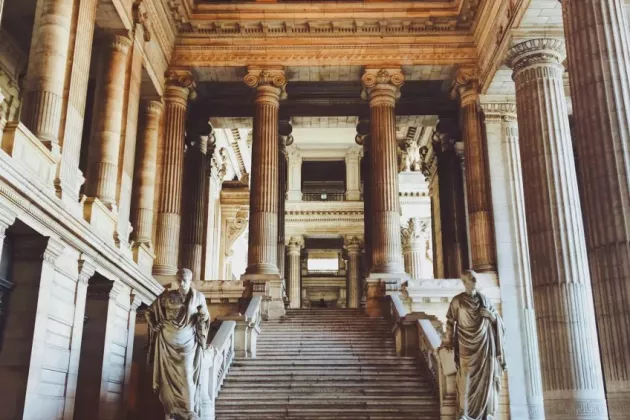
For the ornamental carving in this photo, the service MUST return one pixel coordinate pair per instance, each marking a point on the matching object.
(546, 52)
(414, 234)
(353, 243)
(257, 78)
(183, 79)
(295, 243)
(141, 18)
(409, 153)
(236, 227)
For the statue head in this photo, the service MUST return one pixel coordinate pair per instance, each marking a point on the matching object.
(184, 279)
(469, 278)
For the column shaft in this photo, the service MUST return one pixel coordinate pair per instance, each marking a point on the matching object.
(170, 200)
(45, 76)
(386, 248)
(367, 203)
(105, 144)
(414, 247)
(282, 190)
(294, 251)
(476, 175)
(127, 154)
(69, 177)
(196, 196)
(146, 172)
(513, 263)
(263, 208)
(353, 286)
(598, 46)
(567, 334)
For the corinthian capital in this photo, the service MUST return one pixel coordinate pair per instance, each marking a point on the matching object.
(497, 111)
(466, 84)
(539, 52)
(382, 86)
(267, 80)
(181, 84)
(352, 243)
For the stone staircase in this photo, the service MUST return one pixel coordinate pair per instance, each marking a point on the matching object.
(326, 364)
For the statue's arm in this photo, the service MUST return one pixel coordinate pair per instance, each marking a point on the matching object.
(450, 325)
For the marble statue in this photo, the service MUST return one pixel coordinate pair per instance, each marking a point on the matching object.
(178, 332)
(474, 330)
(410, 159)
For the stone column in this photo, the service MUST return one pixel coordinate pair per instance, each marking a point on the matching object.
(382, 88)
(567, 335)
(353, 245)
(294, 251)
(69, 178)
(262, 258)
(46, 72)
(214, 231)
(146, 172)
(134, 304)
(479, 201)
(102, 174)
(362, 138)
(414, 244)
(598, 47)
(263, 208)
(513, 265)
(294, 174)
(285, 139)
(178, 87)
(353, 173)
(196, 196)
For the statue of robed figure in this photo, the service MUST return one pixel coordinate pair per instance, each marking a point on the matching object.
(475, 331)
(178, 332)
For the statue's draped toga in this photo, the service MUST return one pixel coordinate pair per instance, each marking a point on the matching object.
(478, 344)
(178, 322)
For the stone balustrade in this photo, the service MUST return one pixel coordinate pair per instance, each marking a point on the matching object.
(420, 334)
(247, 328)
(216, 367)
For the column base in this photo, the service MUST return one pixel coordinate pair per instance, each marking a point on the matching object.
(377, 288)
(270, 287)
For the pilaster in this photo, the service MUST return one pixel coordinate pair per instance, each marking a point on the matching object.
(567, 335)
(294, 286)
(513, 264)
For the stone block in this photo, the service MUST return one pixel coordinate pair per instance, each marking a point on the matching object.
(102, 219)
(19, 143)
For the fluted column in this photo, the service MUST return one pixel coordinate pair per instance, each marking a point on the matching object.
(294, 251)
(353, 173)
(352, 246)
(46, 72)
(263, 208)
(362, 138)
(414, 244)
(69, 178)
(598, 46)
(285, 139)
(102, 174)
(146, 172)
(567, 335)
(513, 264)
(178, 87)
(479, 201)
(383, 88)
(196, 196)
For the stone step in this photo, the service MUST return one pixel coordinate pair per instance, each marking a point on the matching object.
(320, 363)
(314, 410)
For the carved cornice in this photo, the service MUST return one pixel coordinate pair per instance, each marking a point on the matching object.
(189, 53)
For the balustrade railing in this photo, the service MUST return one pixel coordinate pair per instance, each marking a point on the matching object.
(323, 196)
(419, 334)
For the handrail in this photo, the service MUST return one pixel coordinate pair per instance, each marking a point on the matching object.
(253, 309)
(416, 333)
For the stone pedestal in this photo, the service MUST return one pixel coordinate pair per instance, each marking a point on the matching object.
(479, 201)
(45, 76)
(598, 46)
(381, 87)
(262, 258)
(146, 172)
(102, 176)
(178, 87)
(353, 245)
(567, 334)
(196, 185)
(294, 251)
(513, 264)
